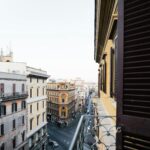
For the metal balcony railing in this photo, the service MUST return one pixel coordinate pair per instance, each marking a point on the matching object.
(95, 132)
(11, 96)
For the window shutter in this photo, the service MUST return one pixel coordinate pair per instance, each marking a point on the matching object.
(133, 75)
(22, 120)
(2, 129)
(15, 106)
(105, 72)
(111, 72)
(4, 109)
(2, 147)
(12, 107)
(24, 104)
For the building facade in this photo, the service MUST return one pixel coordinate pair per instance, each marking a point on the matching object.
(36, 109)
(61, 101)
(106, 14)
(13, 112)
(80, 93)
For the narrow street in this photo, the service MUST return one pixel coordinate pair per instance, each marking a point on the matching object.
(62, 135)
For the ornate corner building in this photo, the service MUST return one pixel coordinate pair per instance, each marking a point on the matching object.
(61, 101)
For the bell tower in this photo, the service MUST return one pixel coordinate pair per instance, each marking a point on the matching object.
(6, 58)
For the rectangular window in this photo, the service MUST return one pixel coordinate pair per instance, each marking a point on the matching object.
(30, 93)
(30, 79)
(43, 104)
(112, 73)
(14, 107)
(30, 108)
(43, 117)
(104, 76)
(37, 91)
(14, 125)
(2, 147)
(1, 129)
(22, 120)
(31, 124)
(36, 137)
(63, 114)
(14, 142)
(43, 91)
(37, 106)
(37, 80)
(23, 104)
(43, 80)
(30, 142)
(23, 136)
(14, 89)
(37, 120)
(23, 88)
(3, 110)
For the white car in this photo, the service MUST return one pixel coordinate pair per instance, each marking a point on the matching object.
(53, 143)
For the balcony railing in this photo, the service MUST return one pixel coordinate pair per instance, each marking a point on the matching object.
(13, 96)
(95, 132)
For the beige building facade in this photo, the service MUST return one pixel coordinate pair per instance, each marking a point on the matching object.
(105, 51)
(80, 93)
(61, 101)
(36, 108)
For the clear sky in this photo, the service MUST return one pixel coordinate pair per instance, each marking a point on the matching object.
(54, 35)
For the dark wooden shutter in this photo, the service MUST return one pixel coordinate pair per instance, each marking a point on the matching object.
(99, 82)
(2, 147)
(105, 72)
(24, 104)
(15, 106)
(111, 72)
(133, 75)
(12, 106)
(14, 89)
(2, 129)
(104, 76)
(3, 109)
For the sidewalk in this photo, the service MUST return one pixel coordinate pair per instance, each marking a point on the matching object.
(107, 129)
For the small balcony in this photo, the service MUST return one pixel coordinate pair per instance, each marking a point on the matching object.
(13, 96)
(95, 132)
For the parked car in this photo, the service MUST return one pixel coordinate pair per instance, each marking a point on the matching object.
(53, 143)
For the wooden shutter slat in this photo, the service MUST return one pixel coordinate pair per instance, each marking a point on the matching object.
(131, 3)
(132, 27)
